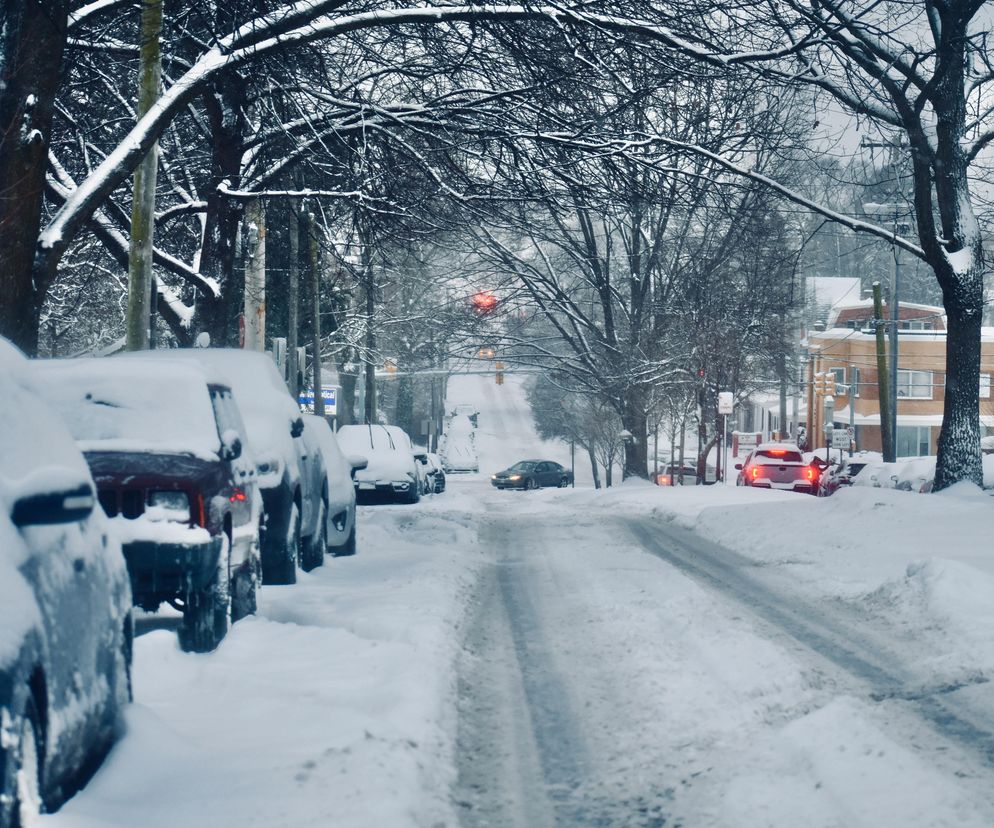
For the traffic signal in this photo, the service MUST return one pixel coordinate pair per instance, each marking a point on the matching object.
(484, 302)
(499, 375)
(829, 383)
(819, 384)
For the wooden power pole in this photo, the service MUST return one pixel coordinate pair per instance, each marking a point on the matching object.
(140, 279)
(293, 304)
(255, 276)
(313, 261)
(883, 386)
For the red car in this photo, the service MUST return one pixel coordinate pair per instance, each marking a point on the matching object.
(778, 466)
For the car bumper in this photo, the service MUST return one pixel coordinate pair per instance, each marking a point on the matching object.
(508, 484)
(160, 571)
(807, 488)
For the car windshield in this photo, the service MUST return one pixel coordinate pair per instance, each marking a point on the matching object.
(779, 456)
(121, 405)
(524, 465)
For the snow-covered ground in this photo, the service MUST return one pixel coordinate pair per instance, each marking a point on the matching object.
(572, 657)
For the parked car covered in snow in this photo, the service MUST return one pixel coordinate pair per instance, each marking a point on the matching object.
(777, 466)
(393, 463)
(436, 473)
(340, 497)
(841, 474)
(65, 608)
(167, 447)
(291, 504)
(458, 448)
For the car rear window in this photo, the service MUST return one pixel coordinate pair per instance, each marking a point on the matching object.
(780, 455)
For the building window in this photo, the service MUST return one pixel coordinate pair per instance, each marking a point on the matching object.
(913, 441)
(916, 385)
(985, 386)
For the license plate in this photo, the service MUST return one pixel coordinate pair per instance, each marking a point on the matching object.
(367, 486)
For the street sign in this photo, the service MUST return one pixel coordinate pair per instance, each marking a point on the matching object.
(329, 395)
(725, 402)
(851, 431)
(840, 438)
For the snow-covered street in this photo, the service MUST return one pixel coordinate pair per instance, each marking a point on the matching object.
(639, 656)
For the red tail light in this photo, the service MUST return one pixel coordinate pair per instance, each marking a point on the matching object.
(663, 480)
(777, 452)
(755, 472)
(238, 496)
(810, 473)
(199, 513)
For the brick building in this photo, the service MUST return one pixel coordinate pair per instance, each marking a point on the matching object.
(848, 349)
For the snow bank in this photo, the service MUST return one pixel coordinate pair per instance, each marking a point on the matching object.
(335, 706)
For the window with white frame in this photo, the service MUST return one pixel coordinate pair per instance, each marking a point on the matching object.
(985, 386)
(915, 385)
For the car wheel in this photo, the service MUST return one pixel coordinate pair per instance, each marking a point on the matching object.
(314, 547)
(22, 765)
(349, 547)
(205, 616)
(413, 496)
(531, 484)
(285, 571)
(245, 592)
(563, 483)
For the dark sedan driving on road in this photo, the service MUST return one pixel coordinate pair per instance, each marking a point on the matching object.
(532, 474)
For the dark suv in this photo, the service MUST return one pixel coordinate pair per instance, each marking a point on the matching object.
(167, 449)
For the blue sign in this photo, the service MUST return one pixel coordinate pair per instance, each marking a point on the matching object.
(329, 395)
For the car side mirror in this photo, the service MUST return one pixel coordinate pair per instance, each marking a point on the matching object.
(231, 445)
(421, 457)
(738, 466)
(357, 462)
(297, 427)
(66, 506)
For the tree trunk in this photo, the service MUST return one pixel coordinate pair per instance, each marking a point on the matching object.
(293, 303)
(346, 405)
(959, 456)
(635, 421)
(140, 280)
(405, 404)
(224, 105)
(593, 467)
(32, 40)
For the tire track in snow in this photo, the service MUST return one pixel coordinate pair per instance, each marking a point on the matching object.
(523, 758)
(831, 638)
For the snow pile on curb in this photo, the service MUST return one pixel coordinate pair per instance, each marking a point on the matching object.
(335, 706)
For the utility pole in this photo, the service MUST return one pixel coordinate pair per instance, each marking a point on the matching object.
(367, 267)
(894, 324)
(140, 278)
(255, 276)
(886, 435)
(293, 305)
(313, 261)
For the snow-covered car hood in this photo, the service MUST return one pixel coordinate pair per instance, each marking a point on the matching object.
(387, 464)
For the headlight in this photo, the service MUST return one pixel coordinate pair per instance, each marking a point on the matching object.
(514, 477)
(270, 471)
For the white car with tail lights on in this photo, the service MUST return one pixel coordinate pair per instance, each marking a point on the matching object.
(778, 466)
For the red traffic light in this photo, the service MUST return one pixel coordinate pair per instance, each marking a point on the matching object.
(484, 302)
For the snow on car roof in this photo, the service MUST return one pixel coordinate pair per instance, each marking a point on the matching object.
(258, 389)
(129, 405)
